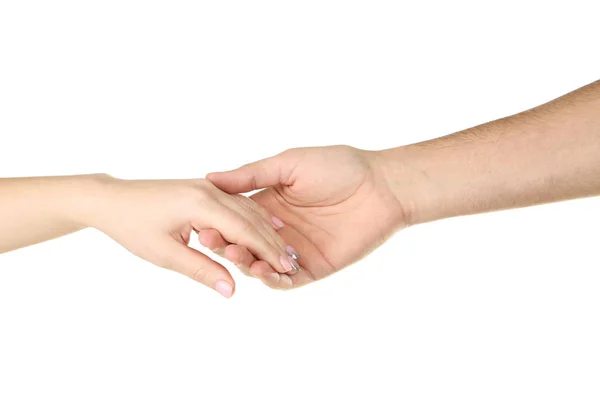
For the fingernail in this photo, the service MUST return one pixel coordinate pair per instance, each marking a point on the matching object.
(277, 222)
(285, 263)
(292, 252)
(295, 265)
(224, 288)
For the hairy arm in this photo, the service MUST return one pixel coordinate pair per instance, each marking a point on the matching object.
(339, 203)
(546, 154)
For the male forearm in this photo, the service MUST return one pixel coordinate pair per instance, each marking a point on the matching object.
(546, 154)
(34, 210)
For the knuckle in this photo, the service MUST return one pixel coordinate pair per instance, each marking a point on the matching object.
(244, 203)
(201, 275)
(191, 197)
(247, 227)
(237, 259)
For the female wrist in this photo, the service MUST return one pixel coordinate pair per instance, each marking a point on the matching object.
(91, 196)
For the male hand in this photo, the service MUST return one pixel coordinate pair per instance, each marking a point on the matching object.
(335, 202)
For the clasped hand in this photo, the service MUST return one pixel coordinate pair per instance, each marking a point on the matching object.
(322, 209)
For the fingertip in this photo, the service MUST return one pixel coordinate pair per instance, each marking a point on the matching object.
(224, 288)
(211, 175)
(197, 266)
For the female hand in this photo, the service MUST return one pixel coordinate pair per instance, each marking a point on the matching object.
(154, 220)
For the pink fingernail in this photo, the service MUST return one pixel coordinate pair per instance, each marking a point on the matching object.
(292, 252)
(285, 263)
(277, 222)
(224, 288)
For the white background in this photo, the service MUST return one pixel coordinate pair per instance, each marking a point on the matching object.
(495, 306)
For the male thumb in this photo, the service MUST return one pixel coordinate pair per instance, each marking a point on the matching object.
(257, 175)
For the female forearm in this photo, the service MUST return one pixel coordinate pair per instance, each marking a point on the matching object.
(34, 210)
(546, 154)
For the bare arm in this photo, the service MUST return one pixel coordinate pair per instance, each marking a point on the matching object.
(339, 203)
(33, 210)
(546, 154)
(152, 219)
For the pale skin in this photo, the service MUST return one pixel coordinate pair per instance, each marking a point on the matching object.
(152, 219)
(333, 205)
(339, 203)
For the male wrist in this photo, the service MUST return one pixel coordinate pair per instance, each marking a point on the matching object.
(402, 181)
(412, 172)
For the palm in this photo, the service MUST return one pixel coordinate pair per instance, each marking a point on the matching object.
(337, 209)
